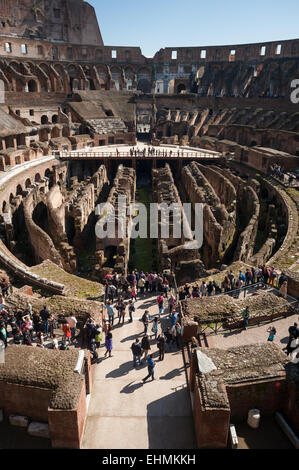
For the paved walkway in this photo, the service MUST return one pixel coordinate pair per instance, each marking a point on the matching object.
(124, 413)
(254, 335)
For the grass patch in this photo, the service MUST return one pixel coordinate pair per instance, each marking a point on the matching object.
(76, 286)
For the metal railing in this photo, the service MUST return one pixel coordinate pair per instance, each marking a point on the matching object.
(128, 155)
(214, 326)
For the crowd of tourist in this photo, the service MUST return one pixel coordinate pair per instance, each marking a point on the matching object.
(151, 151)
(284, 177)
(30, 327)
(234, 282)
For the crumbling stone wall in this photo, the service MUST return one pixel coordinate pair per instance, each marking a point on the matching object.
(218, 224)
(172, 250)
(124, 186)
(41, 242)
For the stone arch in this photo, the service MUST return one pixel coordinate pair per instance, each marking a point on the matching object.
(144, 79)
(55, 118)
(116, 73)
(32, 86)
(37, 177)
(55, 132)
(44, 119)
(19, 190)
(181, 88)
(73, 73)
(27, 183)
(43, 135)
(65, 131)
(144, 85)
(11, 198)
(4, 207)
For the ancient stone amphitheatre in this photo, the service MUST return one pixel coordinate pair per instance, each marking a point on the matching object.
(83, 123)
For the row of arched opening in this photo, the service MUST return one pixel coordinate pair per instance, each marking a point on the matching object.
(21, 188)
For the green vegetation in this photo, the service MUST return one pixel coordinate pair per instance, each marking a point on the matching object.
(142, 257)
(76, 286)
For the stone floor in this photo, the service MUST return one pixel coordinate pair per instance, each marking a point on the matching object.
(124, 413)
(253, 335)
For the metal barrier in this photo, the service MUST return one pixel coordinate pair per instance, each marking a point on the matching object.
(128, 155)
(214, 326)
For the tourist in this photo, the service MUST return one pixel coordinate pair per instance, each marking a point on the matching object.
(231, 278)
(141, 285)
(145, 345)
(171, 303)
(27, 337)
(45, 315)
(165, 287)
(3, 334)
(63, 346)
(111, 292)
(72, 321)
(155, 327)
(210, 289)
(145, 321)
(137, 352)
(55, 344)
(248, 277)
(131, 310)
(66, 331)
(110, 312)
(226, 285)
(17, 334)
(160, 301)
(4, 284)
(294, 331)
(90, 331)
(36, 323)
(98, 335)
(169, 338)
(272, 333)
(173, 318)
(195, 291)
(203, 289)
(245, 314)
(284, 290)
(52, 326)
(40, 343)
(272, 277)
(122, 315)
(93, 350)
(120, 305)
(217, 288)
(108, 344)
(161, 346)
(178, 332)
(293, 344)
(151, 367)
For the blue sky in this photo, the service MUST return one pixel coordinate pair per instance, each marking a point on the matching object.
(173, 23)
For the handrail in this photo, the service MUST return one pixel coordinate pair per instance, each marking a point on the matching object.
(216, 325)
(175, 155)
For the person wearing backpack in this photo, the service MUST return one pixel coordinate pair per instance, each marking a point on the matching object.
(137, 352)
(98, 336)
(161, 346)
(151, 367)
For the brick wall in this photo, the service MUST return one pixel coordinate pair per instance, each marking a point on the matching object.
(268, 397)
